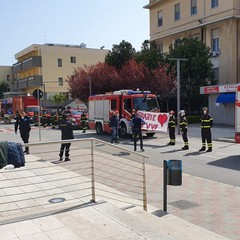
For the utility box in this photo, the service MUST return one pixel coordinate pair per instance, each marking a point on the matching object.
(174, 172)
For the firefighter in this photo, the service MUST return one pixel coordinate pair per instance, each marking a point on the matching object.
(66, 128)
(171, 128)
(44, 119)
(53, 119)
(183, 128)
(206, 125)
(35, 118)
(132, 116)
(83, 121)
(23, 123)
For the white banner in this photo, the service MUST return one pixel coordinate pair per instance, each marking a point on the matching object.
(155, 121)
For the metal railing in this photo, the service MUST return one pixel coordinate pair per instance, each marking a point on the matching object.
(97, 169)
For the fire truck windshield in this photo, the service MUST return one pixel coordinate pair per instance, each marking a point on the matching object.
(145, 104)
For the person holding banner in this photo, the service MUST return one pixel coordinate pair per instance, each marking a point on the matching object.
(171, 128)
(137, 123)
(183, 128)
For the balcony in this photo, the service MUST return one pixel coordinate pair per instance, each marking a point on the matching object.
(27, 64)
(31, 81)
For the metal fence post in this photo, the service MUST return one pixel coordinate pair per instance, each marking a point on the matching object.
(144, 187)
(92, 174)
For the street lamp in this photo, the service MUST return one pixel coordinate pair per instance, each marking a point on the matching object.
(178, 86)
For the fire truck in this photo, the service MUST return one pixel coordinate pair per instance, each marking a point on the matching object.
(102, 106)
(16, 103)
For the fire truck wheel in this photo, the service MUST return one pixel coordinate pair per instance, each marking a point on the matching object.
(123, 130)
(99, 129)
(150, 134)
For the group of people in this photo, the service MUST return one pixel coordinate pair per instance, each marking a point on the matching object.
(65, 125)
(136, 123)
(206, 125)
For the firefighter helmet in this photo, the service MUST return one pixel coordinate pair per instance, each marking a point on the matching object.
(171, 112)
(181, 112)
(205, 109)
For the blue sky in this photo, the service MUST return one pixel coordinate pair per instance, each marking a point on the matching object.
(93, 22)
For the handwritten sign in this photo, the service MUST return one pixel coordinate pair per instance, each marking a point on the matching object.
(155, 121)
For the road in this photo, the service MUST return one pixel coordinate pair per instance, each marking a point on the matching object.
(221, 165)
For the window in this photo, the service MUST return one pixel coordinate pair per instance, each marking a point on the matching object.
(60, 81)
(214, 3)
(193, 7)
(215, 41)
(177, 11)
(73, 59)
(59, 62)
(128, 104)
(113, 104)
(160, 19)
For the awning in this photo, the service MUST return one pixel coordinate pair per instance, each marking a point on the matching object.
(226, 98)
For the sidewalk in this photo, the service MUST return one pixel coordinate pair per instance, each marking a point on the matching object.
(27, 214)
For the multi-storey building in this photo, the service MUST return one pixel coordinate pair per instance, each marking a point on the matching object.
(216, 23)
(6, 75)
(47, 66)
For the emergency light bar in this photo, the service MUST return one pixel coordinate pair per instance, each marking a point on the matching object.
(130, 92)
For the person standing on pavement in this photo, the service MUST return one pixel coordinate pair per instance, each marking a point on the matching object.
(66, 128)
(137, 122)
(23, 124)
(206, 125)
(183, 128)
(83, 121)
(171, 128)
(114, 124)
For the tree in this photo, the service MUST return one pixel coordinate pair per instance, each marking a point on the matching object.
(57, 98)
(102, 78)
(3, 88)
(164, 83)
(120, 54)
(196, 72)
(149, 55)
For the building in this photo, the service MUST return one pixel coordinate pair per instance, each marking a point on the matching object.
(6, 75)
(47, 66)
(216, 23)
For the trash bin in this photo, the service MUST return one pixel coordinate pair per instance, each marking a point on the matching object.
(174, 172)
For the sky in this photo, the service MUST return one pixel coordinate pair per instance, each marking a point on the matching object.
(93, 22)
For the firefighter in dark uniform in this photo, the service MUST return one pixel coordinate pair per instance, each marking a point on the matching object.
(23, 123)
(83, 121)
(35, 118)
(53, 119)
(206, 125)
(171, 128)
(66, 128)
(183, 128)
(44, 119)
(132, 116)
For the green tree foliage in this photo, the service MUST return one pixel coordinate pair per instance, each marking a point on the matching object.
(149, 55)
(120, 54)
(196, 72)
(57, 98)
(3, 88)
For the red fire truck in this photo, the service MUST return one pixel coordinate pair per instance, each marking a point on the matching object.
(124, 101)
(27, 103)
(237, 115)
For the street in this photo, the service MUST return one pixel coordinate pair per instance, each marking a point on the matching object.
(222, 165)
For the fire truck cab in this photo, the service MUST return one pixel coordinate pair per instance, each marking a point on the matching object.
(102, 106)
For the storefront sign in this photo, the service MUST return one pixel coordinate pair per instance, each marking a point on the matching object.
(218, 89)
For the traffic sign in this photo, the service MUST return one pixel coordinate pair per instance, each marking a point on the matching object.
(37, 94)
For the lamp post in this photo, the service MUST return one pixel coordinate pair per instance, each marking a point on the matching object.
(178, 86)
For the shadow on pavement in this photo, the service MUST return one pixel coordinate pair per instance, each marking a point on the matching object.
(231, 162)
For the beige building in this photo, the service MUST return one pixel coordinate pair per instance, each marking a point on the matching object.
(47, 66)
(216, 23)
(6, 75)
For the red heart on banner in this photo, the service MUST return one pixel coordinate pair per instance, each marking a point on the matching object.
(162, 118)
